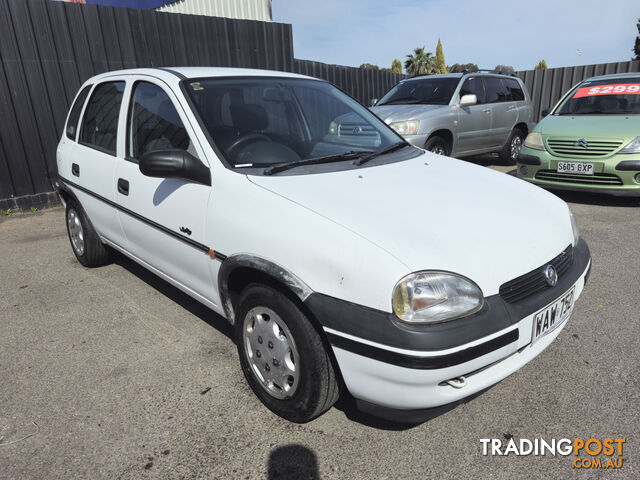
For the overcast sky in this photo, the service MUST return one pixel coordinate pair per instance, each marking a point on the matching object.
(491, 32)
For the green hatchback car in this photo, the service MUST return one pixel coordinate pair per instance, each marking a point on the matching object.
(590, 141)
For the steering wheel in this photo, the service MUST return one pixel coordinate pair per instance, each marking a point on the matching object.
(254, 137)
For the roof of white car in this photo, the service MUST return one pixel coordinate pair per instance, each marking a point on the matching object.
(181, 73)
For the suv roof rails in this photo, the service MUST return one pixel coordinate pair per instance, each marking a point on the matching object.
(421, 75)
(486, 70)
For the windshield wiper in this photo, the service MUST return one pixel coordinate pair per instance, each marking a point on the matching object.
(371, 156)
(280, 167)
(407, 100)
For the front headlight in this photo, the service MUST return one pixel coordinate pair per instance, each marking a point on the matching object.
(534, 140)
(633, 147)
(574, 227)
(433, 296)
(407, 127)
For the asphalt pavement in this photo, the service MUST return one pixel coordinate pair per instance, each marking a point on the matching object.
(111, 373)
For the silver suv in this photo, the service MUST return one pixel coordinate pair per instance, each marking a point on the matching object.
(460, 114)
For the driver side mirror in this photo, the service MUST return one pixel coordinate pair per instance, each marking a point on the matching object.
(174, 164)
(372, 102)
(469, 99)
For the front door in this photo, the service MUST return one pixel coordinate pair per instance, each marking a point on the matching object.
(163, 218)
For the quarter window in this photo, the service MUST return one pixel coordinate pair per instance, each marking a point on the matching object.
(154, 123)
(76, 110)
(517, 95)
(100, 122)
(474, 86)
(496, 91)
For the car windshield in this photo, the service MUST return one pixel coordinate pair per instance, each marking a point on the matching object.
(262, 121)
(616, 96)
(432, 91)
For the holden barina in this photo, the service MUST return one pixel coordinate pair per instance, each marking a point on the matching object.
(349, 261)
(590, 141)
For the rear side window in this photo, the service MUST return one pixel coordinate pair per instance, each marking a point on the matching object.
(100, 122)
(496, 90)
(74, 116)
(474, 86)
(154, 123)
(517, 95)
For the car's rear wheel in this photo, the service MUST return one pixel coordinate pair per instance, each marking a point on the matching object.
(511, 149)
(85, 242)
(282, 355)
(437, 145)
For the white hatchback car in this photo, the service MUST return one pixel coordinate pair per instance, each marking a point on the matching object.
(345, 257)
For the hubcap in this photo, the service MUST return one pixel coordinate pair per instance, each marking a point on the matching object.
(271, 352)
(438, 150)
(516, 145)
(76, 234)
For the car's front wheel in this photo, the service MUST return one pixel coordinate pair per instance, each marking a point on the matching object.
(437, 145)
(85, 242)
(282, 355)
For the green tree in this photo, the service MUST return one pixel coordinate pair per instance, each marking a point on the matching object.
(636, 47)
(396, 66)
(505, 68)
(419, 62)
(542, 65)
(369, 66)
(461, 67)
(440, 65)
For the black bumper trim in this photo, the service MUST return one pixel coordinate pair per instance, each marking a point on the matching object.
(423, 363)
(528, 159)
(628, 166)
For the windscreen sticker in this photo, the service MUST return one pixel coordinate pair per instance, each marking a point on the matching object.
(196, 86)
(615, 89)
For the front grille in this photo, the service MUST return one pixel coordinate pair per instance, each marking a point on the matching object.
(356, 130)
(526, 285)
(570, 148)
(595, 179)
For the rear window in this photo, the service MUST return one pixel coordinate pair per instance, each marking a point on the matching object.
(617, 96)
(72, 124)
(100, 122)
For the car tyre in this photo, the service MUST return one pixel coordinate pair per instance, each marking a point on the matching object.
(85, 242)
(283, 356)
(510, 151)
(437, 145)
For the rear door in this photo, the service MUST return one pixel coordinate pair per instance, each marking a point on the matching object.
(474, 121)
(91, 162)
(163, 218)
(504, 113)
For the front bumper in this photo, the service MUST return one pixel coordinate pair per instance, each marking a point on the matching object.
(404, 368)
(609, 176)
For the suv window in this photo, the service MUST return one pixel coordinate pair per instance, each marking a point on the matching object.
(474, 86)
(76, 110)
(100, 122)
(496, 90)
(517, 95)
(154, 122)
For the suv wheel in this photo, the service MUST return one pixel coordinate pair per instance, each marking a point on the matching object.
(282, 356)
(511, 149)
(437, 145)
(85, 242)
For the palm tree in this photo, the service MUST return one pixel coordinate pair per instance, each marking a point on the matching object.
(419, 62)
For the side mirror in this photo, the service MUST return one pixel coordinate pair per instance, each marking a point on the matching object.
(469, 99)
(372, 102)
(174, 164)
(545, 112)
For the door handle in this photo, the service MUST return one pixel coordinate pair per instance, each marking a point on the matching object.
(75, 169)
(123, 186)
(487, 110)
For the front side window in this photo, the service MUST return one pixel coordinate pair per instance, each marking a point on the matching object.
(258, 121)
(496, 90)
(154, 123)
(428, 91)
(100, 122)
(474, 86)
(74, 117)
(619, 96)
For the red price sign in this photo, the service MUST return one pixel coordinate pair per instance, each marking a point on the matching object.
(617, 89)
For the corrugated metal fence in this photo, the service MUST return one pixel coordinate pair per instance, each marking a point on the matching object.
(547, 86)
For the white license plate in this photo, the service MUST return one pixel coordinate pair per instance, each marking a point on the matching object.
(580, 168)
(552, 316)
